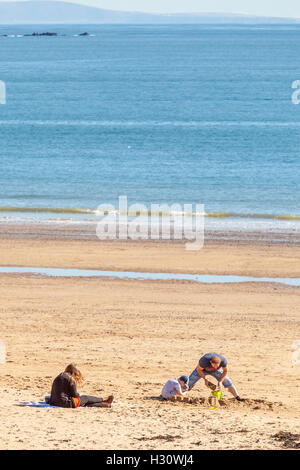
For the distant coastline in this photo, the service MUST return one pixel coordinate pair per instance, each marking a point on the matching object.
(55, 12)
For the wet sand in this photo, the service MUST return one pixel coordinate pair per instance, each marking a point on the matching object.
(61, 247)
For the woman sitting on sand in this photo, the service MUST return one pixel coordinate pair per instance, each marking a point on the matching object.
(64, 391)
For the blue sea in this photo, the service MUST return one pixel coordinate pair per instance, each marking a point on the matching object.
(162, 114)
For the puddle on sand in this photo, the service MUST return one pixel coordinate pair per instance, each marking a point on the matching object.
(201, 278)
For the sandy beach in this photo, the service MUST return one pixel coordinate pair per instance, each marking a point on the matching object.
(154, 127)
(129, 337)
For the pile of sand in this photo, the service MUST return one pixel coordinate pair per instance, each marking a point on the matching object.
(288, 439)
(229, 404)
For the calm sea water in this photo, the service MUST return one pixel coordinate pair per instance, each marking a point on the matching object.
(167, 114)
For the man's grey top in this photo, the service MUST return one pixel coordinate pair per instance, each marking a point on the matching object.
(205, 360)
(170, 388)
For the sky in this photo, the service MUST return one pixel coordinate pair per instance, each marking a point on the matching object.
(284, 8)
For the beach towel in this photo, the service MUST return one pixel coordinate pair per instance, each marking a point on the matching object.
(37, 404)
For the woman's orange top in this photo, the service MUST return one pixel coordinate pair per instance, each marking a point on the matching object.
(76, 402)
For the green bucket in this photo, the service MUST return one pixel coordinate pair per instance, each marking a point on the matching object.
(217, 393)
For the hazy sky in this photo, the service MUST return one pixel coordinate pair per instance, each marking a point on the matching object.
(289, 8)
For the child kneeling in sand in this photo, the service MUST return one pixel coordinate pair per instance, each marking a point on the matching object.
(175, 387)
(64, 391)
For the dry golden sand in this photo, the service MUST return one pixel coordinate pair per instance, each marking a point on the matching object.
(129, 337)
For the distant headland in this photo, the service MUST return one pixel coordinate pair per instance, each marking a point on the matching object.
(56, 12)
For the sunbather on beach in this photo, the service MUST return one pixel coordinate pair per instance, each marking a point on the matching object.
(215, 365)
(64, 391)
(175, 387)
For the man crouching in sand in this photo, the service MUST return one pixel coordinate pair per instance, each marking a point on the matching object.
(175, 387)
(215, 365)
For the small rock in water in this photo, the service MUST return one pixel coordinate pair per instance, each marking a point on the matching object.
(41, 34)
